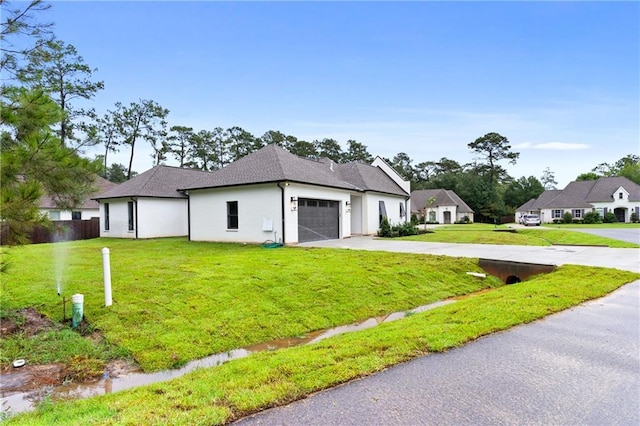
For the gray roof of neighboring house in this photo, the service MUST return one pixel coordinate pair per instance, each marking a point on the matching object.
(527, 206)
(275, 164)
(604, 189)
(160, 182)
(101, 184)
(581, 194)
(442, 197)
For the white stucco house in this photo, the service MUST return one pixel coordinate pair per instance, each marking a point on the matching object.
(439, 205)
(87, 210)
(618, 195)
(148, 205)
(272, 194)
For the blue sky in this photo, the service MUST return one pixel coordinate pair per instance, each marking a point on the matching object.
(559, 79)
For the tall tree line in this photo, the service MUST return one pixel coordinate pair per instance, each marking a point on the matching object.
(44, 133)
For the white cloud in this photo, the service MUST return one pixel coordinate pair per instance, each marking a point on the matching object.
(552, 146)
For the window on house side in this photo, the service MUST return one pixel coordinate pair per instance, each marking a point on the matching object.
(382, 212)
(556, 214)
(577, 213)
(620, 196)
(106, 216)
(54, 215)
(232, 215)
(76, 215)
(130, 214)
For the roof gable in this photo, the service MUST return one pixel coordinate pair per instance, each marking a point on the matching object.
(605, 188)
(160, 181)
(275, 164)
(441, 197)
(101, 184)
(581, 194)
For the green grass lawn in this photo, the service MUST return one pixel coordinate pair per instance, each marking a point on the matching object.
(238, 388)
(175, 301)
(489, 234)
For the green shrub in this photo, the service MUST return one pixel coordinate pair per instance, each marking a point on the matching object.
(465, 219)
(385, 228)
(414, 218)
(609, 217)
(592, 217)
(634, 218)
(404, 229)
(567, 217)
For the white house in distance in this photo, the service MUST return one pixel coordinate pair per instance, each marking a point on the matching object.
(439, 205)
(87, 210)
(148, 205)
(272, 194)
(618, 195)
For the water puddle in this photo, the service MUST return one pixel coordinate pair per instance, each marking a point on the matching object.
(14, 401)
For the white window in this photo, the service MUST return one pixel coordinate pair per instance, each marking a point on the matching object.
(54, 215)
(577, 213)
(556, 214)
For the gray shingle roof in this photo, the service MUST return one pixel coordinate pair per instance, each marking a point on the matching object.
(580, 194)
(442, 197)
(101, 184)
(604, 189)
(275, 164)
(160, 181)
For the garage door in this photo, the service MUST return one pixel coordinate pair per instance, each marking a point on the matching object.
(317, 220)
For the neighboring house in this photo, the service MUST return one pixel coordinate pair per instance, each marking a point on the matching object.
(148, 205)
(272, 194)
(618, 195)
(439, 205)
(87, 210)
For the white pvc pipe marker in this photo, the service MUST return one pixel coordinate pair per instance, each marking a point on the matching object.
(106, 266)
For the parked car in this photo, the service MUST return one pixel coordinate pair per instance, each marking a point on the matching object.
(530, 219)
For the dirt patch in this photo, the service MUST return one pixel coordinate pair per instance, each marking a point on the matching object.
(27, 321)
(30, 322)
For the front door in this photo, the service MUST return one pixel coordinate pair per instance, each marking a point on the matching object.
(447, 217)
(620, 214)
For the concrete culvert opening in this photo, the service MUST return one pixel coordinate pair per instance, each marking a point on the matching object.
(513, 272)
(512, 279)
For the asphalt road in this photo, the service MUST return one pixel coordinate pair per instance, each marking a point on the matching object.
(577, 367)
(630, 235)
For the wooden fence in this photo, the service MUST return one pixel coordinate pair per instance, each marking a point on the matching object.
(62, 230)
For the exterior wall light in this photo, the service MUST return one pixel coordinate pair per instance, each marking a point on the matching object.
(348, 205)
(294, 204)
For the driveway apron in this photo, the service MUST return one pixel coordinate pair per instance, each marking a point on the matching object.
(580, 366)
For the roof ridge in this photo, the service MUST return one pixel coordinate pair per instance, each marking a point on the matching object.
(154, 171)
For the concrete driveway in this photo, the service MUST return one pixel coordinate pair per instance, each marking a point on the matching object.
(577, 367)
(625, 259)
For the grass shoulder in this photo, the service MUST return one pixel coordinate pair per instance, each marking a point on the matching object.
(222, 394)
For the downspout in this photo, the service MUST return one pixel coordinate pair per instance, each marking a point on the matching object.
(407, 213)
(282, 198)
